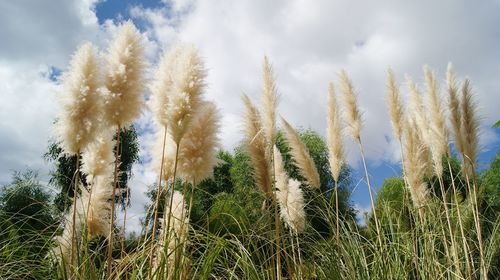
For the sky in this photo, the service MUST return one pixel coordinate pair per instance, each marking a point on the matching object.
(307, 42)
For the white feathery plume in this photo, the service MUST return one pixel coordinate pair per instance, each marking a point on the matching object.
(98, 162)
(167, 150)
(292, 212)
(395, 104)
(414, 164)
(438, 133)
(62, 251)
(269, 102)
(198, 149)
(123, 92)
(470, 130)
(454, 108)
(256, 145)
(161, 87)
(352, 115)
(98, 157)
(172, 238)
(79, 118)
(301, 156)
(289, 196)
(421, 123)
(188, 82)
(334, 135)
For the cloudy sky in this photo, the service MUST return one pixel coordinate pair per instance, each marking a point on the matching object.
(308, 42)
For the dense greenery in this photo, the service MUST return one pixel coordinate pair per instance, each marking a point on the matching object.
(233, 235)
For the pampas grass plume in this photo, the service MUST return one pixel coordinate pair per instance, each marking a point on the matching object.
(470, 130)
(301, 155)
(198, 149)
(188, 81)
(289, 196)
(394, 103)
(334, 135)
(161, 88)
(454, 108)
(269, 102)
(351, 113)
(414, 164)
(438, 132)
(256, 145)
(79, 118)
(123, 93)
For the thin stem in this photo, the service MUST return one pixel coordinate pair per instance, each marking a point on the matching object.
(484, 273)
(76, 180)
(169, 215)
(462, 233)
(337, 220)
(113, 198)
(157, 200)
(448, 221)
(370, 192)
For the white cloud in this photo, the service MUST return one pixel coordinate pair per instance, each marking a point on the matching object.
(307, 42)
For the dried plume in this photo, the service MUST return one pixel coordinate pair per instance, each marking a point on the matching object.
(352, 115)
(98, 162)
(420, 121)
(256, 145)
(289, 196)
(454, 108)
(171, 239)
(123, 92)
(167, 152)
(98, 157)
(470, 130)
(438, 132)
(334, 135)
(414, 164)
(188, 82)
(198, 149)
(79, 117)
(269, 102)
(161, 88)
(395, 104)
(301, 156)
(62, 251)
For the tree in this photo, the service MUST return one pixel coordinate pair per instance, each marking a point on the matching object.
(26, 224)
(65, 168)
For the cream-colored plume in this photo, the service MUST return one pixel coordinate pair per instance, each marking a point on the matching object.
(293, 212)
(161, 88)
(470, 130)
(79, 118)
(289, 196)
(414, 164)
(454, 108)
(164, 146)
(395, 104)
(352, 115)
(98, 162)
(172, 238)
(421, 123)
(269, 102)
(124, 80)
(334, 135)
(198, 148)
(98, 157)
(301, 156)
(256, 145)
(438, 132)
(188, 81)
(62, 251)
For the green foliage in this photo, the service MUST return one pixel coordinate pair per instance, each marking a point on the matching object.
(26, 226)
(65, 168)
(227, 215)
